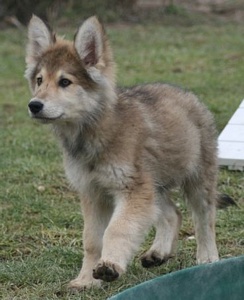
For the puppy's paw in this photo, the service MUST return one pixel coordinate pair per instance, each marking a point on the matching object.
(153, 259)
(107, 271)
(79, 284)
(207, 259)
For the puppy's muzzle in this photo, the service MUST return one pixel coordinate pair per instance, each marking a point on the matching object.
(35, 107)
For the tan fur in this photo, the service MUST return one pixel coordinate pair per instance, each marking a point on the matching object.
(124, 149)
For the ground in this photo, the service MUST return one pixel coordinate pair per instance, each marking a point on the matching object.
(41, 245)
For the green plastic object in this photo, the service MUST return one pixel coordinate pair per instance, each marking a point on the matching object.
(223, 280)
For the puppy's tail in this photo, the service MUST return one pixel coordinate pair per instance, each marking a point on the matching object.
(224, 201)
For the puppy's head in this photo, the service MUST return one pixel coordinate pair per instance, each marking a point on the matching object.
(69, 80)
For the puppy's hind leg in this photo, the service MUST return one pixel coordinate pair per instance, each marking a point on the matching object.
(167, 230)
(201, 198)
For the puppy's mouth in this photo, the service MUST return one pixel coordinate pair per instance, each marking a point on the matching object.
(43, 119)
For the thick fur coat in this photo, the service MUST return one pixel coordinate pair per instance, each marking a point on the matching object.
(123, 149)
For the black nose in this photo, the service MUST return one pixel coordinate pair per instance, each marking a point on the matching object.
(35, 106)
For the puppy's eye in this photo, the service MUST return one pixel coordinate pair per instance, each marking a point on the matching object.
(39, 81)
(64, 82)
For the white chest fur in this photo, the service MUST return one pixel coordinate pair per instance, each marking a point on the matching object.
(108, 176)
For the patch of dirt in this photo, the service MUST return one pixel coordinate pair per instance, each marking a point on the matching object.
(168, 12)
(224, 10)
(9, 108)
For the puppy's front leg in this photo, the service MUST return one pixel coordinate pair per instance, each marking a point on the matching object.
(96, 217)
(135, 211)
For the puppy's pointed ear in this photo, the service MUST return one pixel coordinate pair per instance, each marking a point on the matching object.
(89, 42)
(92, 45)
(40, 38)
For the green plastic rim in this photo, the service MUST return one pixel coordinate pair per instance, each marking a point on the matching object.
(223, 280)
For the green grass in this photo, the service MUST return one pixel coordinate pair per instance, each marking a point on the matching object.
(40, 244)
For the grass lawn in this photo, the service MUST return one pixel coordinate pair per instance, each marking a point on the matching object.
(40, 222)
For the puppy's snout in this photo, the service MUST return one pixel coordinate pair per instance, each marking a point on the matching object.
(35, 106)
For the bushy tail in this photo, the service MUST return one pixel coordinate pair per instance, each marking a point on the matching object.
(224, 201)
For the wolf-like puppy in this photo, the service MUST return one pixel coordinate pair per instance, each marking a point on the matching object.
(123, 149)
